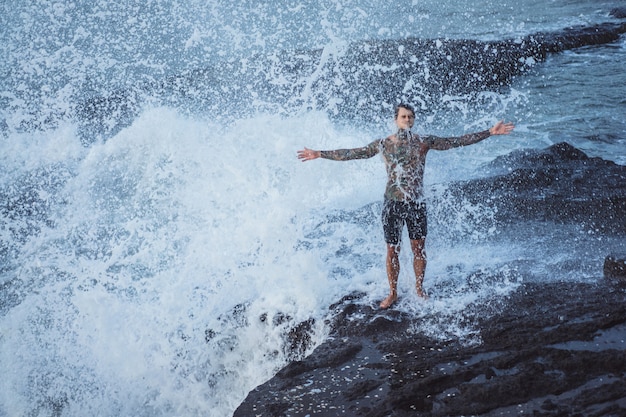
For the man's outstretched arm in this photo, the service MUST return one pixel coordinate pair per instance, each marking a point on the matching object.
(499, 128)
(502, 128)
(341, 154)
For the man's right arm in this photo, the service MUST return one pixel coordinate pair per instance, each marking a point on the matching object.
(355, 153)
(342, 154)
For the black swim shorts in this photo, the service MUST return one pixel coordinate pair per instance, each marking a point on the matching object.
(397, 213)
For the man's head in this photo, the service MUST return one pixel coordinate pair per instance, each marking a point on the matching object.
(404, 116)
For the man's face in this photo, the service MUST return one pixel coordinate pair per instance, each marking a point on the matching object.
(405, 119)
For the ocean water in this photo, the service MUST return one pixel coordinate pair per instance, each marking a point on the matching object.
(156, 262)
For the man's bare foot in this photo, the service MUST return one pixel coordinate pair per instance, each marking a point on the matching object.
(388, 302)
(422, 294)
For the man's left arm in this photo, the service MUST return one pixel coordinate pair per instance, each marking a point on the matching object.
(443, 144)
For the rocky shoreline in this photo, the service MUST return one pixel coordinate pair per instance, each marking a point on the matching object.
(554, 349)
(547, 349)
(387, 66)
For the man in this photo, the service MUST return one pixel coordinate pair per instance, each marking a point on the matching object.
(404, 154)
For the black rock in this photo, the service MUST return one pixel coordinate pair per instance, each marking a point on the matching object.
(619, 12)
(550, 350)
(615, 267)
(558, 184)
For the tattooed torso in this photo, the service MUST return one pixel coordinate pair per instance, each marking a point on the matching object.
(405, 158)
(404, 155)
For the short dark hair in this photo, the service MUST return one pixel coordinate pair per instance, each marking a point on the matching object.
(403, 106)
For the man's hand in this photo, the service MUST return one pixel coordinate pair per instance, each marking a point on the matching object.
(308, 154)
(502, 128)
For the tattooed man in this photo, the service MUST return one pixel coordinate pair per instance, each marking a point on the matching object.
(404, 154)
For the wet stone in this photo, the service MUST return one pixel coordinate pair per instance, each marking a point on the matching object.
(541, 355)
(615, 267)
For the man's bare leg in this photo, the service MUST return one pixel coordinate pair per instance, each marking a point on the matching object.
(419, 265)
(393, 271)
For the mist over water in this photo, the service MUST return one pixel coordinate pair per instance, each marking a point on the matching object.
(158, 265)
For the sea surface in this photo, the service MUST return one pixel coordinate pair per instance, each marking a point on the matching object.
(154, 263)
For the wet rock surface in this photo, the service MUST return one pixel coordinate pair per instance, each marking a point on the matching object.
(553, 349)
(615, 267)
(558, 184)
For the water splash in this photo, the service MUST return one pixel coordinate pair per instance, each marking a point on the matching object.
(164, 265)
